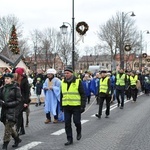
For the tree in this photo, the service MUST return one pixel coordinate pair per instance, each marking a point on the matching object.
(6, 23)
(110, 35)
(13, 42)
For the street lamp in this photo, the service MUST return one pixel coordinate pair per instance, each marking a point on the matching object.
(141, 56)
(64, 31)
(122, 37)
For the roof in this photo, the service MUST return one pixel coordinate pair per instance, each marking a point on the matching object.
(9, 57)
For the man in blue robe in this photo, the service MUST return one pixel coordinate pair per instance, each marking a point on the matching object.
(51, 88)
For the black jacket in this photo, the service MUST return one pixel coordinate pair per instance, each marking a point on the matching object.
(11, 108)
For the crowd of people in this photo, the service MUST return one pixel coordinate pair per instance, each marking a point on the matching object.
(66, 96)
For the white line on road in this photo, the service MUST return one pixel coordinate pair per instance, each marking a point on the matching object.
(112, 107)
(29, 146)
(61, 131)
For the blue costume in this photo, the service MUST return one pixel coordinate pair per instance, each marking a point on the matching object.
(52, 97)
(87, 89)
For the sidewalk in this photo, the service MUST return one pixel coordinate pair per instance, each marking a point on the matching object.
(34, 97)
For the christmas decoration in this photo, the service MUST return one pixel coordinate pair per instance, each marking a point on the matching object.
(148, 60)
(82, 28)
(127, 47)
(13, 41)
(144, 55)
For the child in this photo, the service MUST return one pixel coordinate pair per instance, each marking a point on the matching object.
(39, 87)
(10, 98)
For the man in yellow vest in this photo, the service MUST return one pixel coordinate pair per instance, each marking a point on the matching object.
(121, 81)
(104, 94)
(133, 81)
(72, 101)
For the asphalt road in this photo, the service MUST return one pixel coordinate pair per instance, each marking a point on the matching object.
(127, 129)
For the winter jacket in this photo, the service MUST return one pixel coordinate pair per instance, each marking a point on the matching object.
(10, 110)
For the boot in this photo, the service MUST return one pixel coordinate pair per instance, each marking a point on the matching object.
(5, 144)
(17, 141)
(47, 121)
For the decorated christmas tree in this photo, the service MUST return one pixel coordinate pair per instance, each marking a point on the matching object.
(13, 41)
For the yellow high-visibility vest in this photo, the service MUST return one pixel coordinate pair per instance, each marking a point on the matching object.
(103, 85)
(71, 97)
(133, 80)
(120, 80)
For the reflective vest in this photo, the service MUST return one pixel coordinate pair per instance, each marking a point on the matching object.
(133, 80)
(120, 80)
(71, 97)
(103, 85)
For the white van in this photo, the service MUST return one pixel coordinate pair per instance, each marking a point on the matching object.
(95, 68)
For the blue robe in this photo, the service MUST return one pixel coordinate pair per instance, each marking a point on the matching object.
(52, 96)
(95, 83)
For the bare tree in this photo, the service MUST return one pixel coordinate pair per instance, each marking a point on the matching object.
(65, 50)
(110, 34)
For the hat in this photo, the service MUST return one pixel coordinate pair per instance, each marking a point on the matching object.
(10, 75)
(20, 71)
(103, 71)
(38, 79)
(69, 68)
(51, 71)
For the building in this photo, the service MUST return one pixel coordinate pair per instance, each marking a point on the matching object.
(131, 62)
(42, 61)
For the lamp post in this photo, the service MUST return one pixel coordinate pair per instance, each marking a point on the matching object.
(122, 37)
(140, 57)
(64, 30)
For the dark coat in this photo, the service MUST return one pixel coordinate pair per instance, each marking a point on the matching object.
(10, 110)
(39, 87)
(25, 92)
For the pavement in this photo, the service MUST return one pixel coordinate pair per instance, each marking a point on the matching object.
(33, 97)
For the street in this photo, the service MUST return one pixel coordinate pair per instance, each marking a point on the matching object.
(127, 129)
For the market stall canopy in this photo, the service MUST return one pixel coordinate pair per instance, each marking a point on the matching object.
(9, 57)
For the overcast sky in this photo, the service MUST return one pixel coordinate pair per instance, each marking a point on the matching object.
(41, 14)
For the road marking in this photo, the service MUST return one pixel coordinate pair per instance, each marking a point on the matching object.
(61, 131)
(29, 146)
(112, 107)
(115, 105)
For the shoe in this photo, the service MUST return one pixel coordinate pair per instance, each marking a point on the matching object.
(79, 136)
(55, 121)
(36, 104)
(121, 107)
(98, 116)
(118, 105)
(40, 103)
(106, 116)
(17, 141)
(47, 121)
(68, 143)
(5, 145)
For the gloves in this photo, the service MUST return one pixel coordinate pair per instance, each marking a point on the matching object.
(82, 110)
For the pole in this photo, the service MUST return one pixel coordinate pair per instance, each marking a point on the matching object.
(122, 43)
(140, 63)
(73, 46)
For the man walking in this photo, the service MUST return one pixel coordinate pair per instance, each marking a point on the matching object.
(121, 81)
(72, 103)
